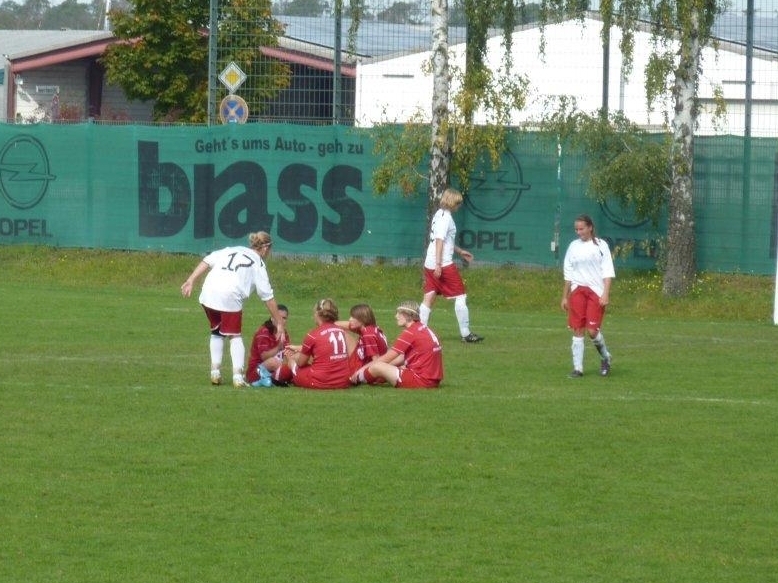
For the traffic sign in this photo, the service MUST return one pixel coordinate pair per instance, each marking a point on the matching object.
(233, 109)
(232, 77)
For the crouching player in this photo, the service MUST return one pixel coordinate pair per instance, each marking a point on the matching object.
(267, 351)
(415, 360)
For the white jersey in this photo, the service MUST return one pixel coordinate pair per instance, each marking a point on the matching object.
(442, 227)
(588, 263)
(235, 273)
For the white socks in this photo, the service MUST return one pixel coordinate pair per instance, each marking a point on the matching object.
(460, 309)
(424, 314)
(599, 343)
(578, 353)
(217, 351)
(463, 315)
(238, 354)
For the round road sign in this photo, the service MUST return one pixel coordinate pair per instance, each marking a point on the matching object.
(233, 109)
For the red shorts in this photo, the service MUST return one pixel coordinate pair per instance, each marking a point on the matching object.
(224, 323)
(584, 309)
(283, 374)
(410, 380)
(449, 284)
(306, 378)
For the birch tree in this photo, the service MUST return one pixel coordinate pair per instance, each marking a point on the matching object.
(447, 139)
(682, 29)
(439, 150)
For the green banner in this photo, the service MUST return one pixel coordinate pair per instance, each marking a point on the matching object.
(193, 189)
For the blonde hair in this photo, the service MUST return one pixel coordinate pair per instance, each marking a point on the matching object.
(326, 310)
(451, 198)
(260, 239)
(410, 308)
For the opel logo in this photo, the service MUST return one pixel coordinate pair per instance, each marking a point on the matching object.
(24, 172)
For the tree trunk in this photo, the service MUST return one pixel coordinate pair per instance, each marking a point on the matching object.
(681, 265)
(439, 150)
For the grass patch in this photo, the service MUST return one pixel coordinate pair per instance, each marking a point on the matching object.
(121, 463)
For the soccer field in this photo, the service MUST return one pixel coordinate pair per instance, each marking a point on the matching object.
(121, 463)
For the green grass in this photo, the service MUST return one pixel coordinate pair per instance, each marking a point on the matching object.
(119, 462)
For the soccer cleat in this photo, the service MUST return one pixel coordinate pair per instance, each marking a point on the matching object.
(472, 338)
(263, 382)
(605, 367)
(239, 382)
(216, 378)
(576, 374)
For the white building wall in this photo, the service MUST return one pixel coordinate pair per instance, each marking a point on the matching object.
(393, 90)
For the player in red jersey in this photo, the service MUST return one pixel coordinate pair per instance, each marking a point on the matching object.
(267, 351)
(322, 360)
(415, 360)
(369, 342)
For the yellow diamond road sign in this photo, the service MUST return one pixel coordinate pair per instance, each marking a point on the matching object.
(232, 77)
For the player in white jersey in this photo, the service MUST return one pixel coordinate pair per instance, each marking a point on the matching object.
(588, 272)
(441, 276)
(234, 273)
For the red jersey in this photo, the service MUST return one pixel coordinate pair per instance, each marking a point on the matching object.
(422, 351)
(372, 342)
(329, 369)
(263, 340)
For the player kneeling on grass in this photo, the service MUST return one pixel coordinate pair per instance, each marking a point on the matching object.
(415, 360)
(267, 351)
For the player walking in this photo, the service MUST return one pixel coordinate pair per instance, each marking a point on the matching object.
(441, 275)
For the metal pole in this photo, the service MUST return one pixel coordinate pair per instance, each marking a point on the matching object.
(746, 201)
(107, 19)
(336, 80)
(749, 65)
(213, 25)
(606, 57)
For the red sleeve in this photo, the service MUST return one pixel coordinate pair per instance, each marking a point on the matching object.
(309, 343)
(403, 342)
(374, 342)
(262, 341)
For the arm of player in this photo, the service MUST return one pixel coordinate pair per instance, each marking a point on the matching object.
(186, 287)
(272, 307)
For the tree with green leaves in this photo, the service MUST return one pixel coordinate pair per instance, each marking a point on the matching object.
(680, 30)
(164, 54)
(399, 13)
(29, 15)
(303, 8)
(448, 138)
(73, 14)
(691, 21)
(625, 164)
